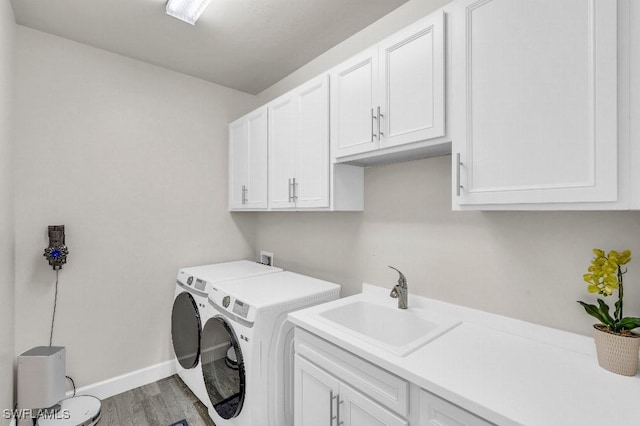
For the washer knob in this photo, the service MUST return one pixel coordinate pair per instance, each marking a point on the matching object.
(225, 301)
(190, 280)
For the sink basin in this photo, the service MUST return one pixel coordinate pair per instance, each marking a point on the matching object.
(396, 330)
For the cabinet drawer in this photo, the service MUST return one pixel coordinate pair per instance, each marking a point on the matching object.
(435, 411)
(378, 384)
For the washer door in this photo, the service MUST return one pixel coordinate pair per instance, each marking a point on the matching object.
(224, 376)
(186, 330)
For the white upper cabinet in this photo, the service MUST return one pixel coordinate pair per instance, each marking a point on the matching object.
(411, 96)
(248, 162)
(535, 102)
(299, 154)
(353, 104)
(634, 94)
(391, 94)
(283, 137)
(312, 174)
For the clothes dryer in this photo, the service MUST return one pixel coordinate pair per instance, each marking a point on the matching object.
(248, 317)
(192, 289)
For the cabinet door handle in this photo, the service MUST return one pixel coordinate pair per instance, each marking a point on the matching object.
(290, 196)
(458, 165)
(295, 190)
(373, 117)
(331, 416)
(244, 194)
(340, 422)
(379, 117)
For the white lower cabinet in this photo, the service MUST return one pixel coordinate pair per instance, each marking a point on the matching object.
(356, 409)
(323, 400)
(315, 393)
(334, 387)
(435, 411)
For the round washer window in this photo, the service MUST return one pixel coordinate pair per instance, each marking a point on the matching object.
(223, 368)
(186, 330)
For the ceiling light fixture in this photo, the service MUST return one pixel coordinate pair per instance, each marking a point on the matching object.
(187, 10)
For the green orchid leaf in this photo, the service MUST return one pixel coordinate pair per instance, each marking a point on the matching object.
(629, 323)
(618, 312)
(593, 311)
(603, 309)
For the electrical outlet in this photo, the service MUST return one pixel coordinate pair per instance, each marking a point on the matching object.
(266, 258)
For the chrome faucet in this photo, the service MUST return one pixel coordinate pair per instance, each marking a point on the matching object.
(400, 290)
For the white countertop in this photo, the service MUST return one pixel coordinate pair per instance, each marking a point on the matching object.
(507, 371)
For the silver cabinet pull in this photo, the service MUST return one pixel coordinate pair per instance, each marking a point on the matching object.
(373, 117)
(290, 196)
(295, 190)
(340, 422)
(331, 416)
(458, 165)
(244, 194)
(379, 117)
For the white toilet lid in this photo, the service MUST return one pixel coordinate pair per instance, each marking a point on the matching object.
(75, 411)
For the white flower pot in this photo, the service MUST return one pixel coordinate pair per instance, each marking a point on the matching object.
(616, 353)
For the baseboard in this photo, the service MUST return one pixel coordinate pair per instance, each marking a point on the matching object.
(132, 380)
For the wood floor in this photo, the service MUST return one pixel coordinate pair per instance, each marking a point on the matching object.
(157, 404)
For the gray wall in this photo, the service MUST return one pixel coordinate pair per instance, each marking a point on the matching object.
(7, 243)
(132, 158)
(525, 265)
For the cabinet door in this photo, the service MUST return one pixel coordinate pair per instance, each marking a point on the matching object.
(354, 87)
(283, 132)
(238, 163)
(634, 95)
(412, 72)
(356, 409)
(256, 190)
(315, 395)
(535, 103)
(312, 172)
(435, 411)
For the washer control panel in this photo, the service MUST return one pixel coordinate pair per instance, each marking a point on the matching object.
(241, 309)
(194, 285)
(229, 303)
(200, 285)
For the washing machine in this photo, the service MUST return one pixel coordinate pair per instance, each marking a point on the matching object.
(192, 289)
(247, 346)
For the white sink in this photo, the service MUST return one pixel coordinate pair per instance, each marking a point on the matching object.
(398, 331)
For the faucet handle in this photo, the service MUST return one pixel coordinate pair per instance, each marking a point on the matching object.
(402, 280)
(394, 293)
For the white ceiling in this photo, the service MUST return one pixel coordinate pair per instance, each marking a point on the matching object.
(243, 44)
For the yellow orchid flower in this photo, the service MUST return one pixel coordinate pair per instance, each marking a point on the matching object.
(625, 257)
(603, 277)
(593, 288)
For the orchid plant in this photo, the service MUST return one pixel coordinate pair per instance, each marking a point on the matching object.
(605, 275)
